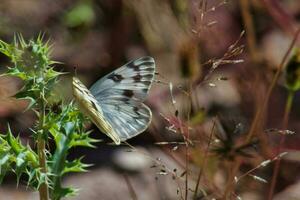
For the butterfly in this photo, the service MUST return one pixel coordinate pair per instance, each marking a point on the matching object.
(115, 102)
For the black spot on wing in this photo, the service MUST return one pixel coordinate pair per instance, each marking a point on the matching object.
(137, 78)
(146, 83)
(128, 93)
(148, 76)
(116, 77)
(142, 62)
(133, 66)
(145, 90)
(136, 110)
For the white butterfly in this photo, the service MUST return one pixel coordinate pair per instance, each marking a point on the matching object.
(115, 102)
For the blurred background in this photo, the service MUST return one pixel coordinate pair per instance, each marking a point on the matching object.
(215, 61)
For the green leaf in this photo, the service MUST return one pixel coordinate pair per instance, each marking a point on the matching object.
(65, 192)
(32, 174)
(20, 166)
(31, 157)
(13, 142)
(41, 179)
(84, 141)
(3, 170)
(81, 14)
(52, 74)
(10, 51)
(75, 166)
(31, 103)
(69, 128)
(4, 159)
(5, 165)
(15, 157)
(14, 71)
(292, 72)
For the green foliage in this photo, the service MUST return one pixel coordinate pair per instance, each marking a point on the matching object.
(292, 73)
(17, 158)
(81, 14)
(67, 129)
(30, 61)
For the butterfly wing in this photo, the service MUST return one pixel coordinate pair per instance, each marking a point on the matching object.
(132, 80)
(128, 118)
(90, 106)
(120, 95)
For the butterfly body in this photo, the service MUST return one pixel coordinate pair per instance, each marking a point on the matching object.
(115, 102)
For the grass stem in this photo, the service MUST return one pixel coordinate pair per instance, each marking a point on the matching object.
(287, 111)
(204, 162)
(248, 24)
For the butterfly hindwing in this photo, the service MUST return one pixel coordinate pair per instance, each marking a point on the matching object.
(121, 93)
(128, 118)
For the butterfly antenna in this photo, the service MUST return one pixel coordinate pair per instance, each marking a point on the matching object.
(159, 79)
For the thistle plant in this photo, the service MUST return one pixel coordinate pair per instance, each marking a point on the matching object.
(42, 167)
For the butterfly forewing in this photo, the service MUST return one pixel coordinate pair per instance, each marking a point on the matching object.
(119, 96)
(132, 80)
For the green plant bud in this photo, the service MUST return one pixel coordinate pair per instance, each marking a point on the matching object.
(292, 72)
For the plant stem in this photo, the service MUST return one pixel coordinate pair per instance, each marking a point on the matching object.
(187, 138)
(204, 162)
(187, 169)
(43, 189)
(287, 111)
(248, 24)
